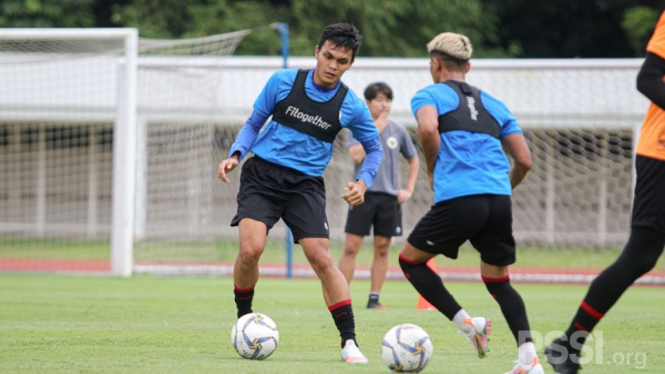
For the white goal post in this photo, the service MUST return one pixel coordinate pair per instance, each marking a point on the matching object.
(124, 141)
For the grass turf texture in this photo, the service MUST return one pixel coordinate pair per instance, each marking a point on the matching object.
(57, 324)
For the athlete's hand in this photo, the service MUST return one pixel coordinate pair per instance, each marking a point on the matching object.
(356, 194)
(227, 166)
(403, 195)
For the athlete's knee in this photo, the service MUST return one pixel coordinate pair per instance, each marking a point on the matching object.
(249, 252)
(643, 264)
(382, 250)
(407, 265)
(498, 286)
(320, 259)
(351, 249)
(352, 244)
(642, 252)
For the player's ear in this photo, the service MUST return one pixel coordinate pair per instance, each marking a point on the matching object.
(435, 64)
(316, 51)
(468, 67)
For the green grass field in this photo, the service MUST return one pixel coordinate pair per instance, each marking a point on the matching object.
(70, 324)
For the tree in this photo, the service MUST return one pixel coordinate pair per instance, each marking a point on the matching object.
(395, 28)
(398, 28)
(392, 28)
(574, 28)
(46, 13)
(638, 24)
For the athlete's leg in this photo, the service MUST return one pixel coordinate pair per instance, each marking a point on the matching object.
(413, 262)
(497, 281)
(644, 248)
(380, 262)
(347, 261)
(246, 268)
(335, 288)
(414, 265)
(379, 269)
(640, 255)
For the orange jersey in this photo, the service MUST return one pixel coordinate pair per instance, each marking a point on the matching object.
(652, 135)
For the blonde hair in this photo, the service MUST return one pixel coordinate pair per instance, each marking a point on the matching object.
(454, 45)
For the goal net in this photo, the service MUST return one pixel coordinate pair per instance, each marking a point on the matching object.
(68, 175)
(73, 111)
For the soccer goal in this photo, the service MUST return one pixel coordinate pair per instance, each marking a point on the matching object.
(81, 132)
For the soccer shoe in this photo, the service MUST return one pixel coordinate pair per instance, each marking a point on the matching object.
(561, 364)
(375, 305)
(480, 329)
(352, 354)
(534, 368)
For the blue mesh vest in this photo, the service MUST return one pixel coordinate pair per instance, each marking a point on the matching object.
(317, 119)
(470, 115)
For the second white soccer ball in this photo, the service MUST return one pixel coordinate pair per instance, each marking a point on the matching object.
(406, 348)
(254, 336)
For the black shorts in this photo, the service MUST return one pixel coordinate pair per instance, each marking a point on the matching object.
(649, 202)
(485, 220)
(380, 210)
(269, 192)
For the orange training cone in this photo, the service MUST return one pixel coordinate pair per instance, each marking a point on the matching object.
(422, 303)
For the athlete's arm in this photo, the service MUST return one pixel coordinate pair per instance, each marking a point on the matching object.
(357, 153)
(428, 132)
(373, 157)
(650, 79)
(411, 176)
(243, 143)
(355, 194)
(247, 135)
(516, 147)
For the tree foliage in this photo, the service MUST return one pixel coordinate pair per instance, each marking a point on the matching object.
(576, 28)
(47, 13)
(638, 25)
(391, 28)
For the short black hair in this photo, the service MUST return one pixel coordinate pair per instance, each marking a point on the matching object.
(374, 89)
(343, 35)
(451, 63)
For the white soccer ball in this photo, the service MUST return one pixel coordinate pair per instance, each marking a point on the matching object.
(406, 349)
(254, 336)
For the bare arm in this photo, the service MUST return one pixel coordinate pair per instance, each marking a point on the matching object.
(227, 166)
(412, 175)
(374, 155)
(516, 147)
(356, 192)
(242, 145)
(357, 153)
(428, 132)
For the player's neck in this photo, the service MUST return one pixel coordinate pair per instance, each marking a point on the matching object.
(451, 76)
(380, 123)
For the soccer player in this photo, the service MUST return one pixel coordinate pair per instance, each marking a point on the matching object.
(382, 206)
(462, 132)
(283, 179)
(647, 235)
